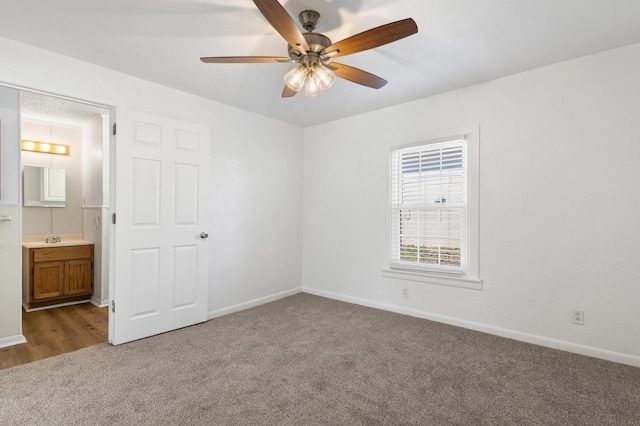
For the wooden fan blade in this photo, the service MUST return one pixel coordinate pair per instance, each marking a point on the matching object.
(244, 59)
(288, 92)
(373, 38)
(282, 22)
(358, 76)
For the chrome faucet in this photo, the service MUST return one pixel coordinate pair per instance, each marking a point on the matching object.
(55, 239)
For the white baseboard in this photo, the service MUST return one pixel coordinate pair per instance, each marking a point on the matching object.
(59, 305)
(12, 340)
(99, 303)
(253, 303)
(607, 355)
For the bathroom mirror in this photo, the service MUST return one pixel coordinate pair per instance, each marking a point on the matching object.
(43, 187)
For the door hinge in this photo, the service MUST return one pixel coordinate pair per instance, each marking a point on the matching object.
(114, 129)
(113, 218)
(113, 306)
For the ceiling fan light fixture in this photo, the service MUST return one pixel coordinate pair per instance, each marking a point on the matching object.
(295, 78)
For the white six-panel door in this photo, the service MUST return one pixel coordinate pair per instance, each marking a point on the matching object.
(161, 250)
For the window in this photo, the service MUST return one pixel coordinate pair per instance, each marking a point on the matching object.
(429, 205)
(434, 210)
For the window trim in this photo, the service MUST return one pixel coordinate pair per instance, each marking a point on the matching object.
(471, 277)
(430, 277)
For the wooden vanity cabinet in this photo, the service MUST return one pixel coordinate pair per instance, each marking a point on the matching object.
(59, 274)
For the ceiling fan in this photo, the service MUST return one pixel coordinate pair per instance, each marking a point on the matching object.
(313, 52)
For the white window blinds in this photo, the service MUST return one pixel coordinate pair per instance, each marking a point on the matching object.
(429, 206)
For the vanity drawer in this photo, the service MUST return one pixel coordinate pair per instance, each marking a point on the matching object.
(62, 253)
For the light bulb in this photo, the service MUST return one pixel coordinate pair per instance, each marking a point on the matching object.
(61, 149)
(45, 147)
(296, 77)
(324, 76)
(311, 86)
(30, 146)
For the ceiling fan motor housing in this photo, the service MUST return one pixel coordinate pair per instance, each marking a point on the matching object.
(317, 43)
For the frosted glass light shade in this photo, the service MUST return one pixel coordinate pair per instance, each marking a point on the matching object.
(296, 77)
(324, 76)
(311, 86)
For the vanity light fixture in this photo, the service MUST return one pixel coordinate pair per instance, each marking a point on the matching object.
(46, 148)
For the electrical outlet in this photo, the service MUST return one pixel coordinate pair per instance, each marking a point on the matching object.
(405, 292)
(577, 317)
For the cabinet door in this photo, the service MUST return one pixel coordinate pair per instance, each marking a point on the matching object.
(48, 280)
(79, 277)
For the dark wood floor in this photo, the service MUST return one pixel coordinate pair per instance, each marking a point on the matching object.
(56, 331)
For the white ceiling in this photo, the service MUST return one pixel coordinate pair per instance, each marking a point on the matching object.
(459, 43)
(38, 107)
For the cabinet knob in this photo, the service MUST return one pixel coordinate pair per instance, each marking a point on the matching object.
(204, 235)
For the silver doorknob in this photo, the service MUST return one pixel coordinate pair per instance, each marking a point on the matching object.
(204, 235)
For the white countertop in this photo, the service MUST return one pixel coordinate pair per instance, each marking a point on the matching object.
(39, 241)
(63, 243)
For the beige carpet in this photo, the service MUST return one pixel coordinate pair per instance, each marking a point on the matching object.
(305, 360)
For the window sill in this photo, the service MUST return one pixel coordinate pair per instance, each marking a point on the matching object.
(431, 278)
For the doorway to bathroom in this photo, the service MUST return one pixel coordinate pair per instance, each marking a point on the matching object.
(65, 233)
